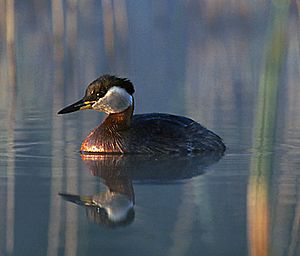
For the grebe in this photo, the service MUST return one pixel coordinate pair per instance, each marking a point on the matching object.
(122, 132)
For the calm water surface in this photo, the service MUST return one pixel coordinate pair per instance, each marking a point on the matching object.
(233, 67)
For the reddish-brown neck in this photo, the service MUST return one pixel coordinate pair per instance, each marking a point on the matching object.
(119, 121)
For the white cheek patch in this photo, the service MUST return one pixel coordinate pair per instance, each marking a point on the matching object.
(115, 100)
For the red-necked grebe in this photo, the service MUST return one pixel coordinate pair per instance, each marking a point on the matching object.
(122, 132)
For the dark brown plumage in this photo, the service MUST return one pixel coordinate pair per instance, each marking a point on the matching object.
(150, 134)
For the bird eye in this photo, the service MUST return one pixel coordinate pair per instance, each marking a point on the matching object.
(98, 95)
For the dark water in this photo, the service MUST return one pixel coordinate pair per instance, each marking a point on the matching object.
(233, 66)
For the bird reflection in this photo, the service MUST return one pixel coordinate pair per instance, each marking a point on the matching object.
(115, 206)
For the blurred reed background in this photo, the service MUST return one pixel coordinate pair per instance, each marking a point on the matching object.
(232, 65)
